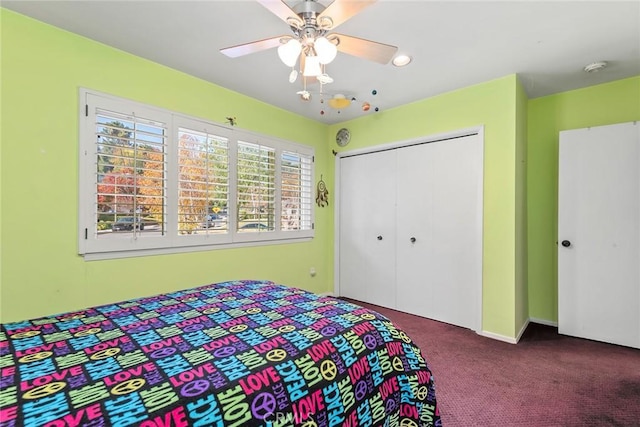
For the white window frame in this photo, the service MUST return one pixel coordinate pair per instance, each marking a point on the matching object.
(136, 244)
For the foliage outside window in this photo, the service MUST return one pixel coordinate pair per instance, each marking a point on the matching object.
(154, 181)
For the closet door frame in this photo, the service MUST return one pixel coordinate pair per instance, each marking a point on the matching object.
(477, 130)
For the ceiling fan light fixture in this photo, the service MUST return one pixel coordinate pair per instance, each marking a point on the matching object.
(325, 50)
(312, 67)
(289, 52)
(401, 60)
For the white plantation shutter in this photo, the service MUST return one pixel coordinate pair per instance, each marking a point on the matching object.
(203, 179)
(152, 181)
(295, 191)
(256, 187)
(130, 154)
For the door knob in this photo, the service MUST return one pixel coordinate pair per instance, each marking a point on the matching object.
(413, 240)
(379, 237)
(566, 243)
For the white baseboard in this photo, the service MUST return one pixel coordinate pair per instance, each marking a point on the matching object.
(493, 335)
(498, 337)
(522, 330)
(505, 338)
(543, 322)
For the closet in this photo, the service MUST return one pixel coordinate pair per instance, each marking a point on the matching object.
(410, 227)
(599, 233)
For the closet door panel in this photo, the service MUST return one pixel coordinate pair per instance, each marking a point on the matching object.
(368, 228)
(415, 262)
(440, 205)
(457, 233)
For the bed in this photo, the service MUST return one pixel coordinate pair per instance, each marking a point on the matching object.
(237, 353)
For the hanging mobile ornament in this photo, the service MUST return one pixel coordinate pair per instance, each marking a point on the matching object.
(322, 196)
(293, 76)
(324, 78)
(304, 93)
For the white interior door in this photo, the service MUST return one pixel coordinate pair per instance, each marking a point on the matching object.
(599, 234)
(368, 228)
(439, 250)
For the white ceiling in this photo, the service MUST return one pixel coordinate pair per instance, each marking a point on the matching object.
(454, 44)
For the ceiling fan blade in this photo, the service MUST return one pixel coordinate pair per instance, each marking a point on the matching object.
(253, 47)
(367, 49)
(281, 10)
(341, 10)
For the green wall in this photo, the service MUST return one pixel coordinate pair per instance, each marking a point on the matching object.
(43, 67)
(41, 273)
(604, 104)
(521, 237)
(494, 105)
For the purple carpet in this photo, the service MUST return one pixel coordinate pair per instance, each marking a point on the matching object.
(545, 380)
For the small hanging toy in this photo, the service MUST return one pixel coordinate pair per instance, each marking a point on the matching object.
(322, 197)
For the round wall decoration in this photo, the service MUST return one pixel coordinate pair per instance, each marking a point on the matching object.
(342, 137)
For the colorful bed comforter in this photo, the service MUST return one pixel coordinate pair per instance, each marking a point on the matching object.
(233, 354)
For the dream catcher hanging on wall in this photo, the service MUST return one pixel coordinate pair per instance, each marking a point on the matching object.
(322, 194)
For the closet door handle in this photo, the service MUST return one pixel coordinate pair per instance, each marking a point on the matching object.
(413, 239)
(379, 237)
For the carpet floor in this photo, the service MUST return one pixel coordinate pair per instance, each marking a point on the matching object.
(545, 380)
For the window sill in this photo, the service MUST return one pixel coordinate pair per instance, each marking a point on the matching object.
(97, 256)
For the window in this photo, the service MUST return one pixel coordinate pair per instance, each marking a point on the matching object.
(130, 156)
(256, 187)
(154, 181)
(203, 180)
(295, 190)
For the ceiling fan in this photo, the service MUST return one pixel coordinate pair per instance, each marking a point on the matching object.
(313, 41)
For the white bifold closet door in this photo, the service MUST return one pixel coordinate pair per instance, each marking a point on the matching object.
(410, 229)
(368, 228)
(599, 234)
(439, 246)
